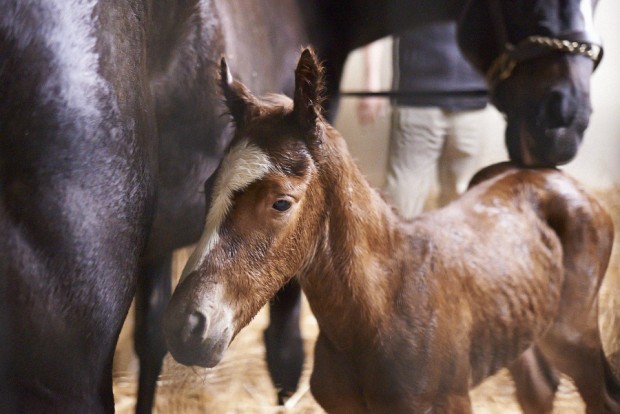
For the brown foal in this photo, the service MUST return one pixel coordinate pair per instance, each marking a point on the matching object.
(412, 313)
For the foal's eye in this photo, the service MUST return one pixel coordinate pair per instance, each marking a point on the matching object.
(282, 205)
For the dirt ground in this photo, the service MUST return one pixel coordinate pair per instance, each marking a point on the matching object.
(240, 383)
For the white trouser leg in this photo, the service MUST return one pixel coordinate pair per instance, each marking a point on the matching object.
(416, 142)
(459, 159)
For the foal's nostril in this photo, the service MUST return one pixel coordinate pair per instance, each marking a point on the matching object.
(196, 325)
(559, 109)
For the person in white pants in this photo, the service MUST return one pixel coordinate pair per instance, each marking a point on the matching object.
(439, 115)
(427, 142)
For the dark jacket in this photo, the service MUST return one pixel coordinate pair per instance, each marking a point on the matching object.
(428, 59)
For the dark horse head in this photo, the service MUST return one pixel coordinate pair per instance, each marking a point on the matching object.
(538, 56)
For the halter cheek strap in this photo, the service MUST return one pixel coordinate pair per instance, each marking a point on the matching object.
(536, 46)
(574, 43)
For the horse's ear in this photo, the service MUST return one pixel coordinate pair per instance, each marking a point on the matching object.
(239, 100)
(309, 87)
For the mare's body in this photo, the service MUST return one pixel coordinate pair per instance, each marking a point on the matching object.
(110, 123)
(412, 313)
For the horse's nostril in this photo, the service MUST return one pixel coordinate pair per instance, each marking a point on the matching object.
(196, 325)
(559, 110)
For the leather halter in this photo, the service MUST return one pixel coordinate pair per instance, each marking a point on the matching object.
(533, 47)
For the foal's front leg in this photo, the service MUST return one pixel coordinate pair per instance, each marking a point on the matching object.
(449, 404)
(336, 385)
(536, 382)
(454, 404)
(333, 382)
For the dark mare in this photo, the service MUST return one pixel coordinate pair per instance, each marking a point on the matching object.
(412, 313)
(538, 57)
(109, 124)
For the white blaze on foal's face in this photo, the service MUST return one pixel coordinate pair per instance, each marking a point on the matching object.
(244, 164)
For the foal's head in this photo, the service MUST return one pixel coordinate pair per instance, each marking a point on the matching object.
(264, 206)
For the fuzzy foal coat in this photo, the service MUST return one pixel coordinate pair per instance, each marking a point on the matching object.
(412, 313)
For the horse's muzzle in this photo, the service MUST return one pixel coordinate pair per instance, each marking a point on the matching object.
(197, 330)
(558, 110)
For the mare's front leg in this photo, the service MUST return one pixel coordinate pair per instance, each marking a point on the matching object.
(68, 269)
(76, 195)
(152, 295)
(283, 342)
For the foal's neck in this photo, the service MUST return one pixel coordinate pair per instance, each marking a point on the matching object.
(347, 284)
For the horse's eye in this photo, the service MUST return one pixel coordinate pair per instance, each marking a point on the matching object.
(282, 205)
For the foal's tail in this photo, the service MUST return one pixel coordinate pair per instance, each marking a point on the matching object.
(584, 227)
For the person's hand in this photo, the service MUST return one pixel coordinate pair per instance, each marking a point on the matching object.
(369, 109)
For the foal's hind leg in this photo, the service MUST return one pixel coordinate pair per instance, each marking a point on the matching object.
(535, 382)
(152, 295)
(573, 343)
(585, 362)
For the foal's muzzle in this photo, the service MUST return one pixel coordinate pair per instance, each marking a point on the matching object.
(197, 328)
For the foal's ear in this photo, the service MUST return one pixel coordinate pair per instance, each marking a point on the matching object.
(239, 100)
(309, 87)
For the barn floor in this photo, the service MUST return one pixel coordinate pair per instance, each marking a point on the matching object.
(240, 383)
